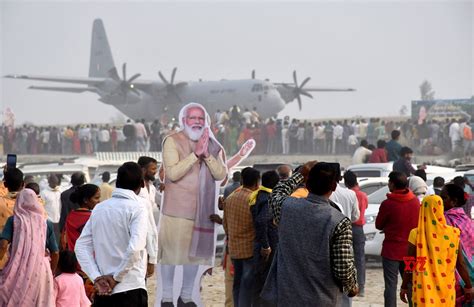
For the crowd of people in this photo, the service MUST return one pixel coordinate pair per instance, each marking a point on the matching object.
(309, 229)
(39, 232)
(294, 237)
(84, 139)
(233, 127)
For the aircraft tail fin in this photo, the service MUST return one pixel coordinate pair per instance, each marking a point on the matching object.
(101, 60)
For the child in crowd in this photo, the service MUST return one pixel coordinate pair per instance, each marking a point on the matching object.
(69, 286)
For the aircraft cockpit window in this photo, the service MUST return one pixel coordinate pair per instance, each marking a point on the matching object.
(266, 88)
(257, 88)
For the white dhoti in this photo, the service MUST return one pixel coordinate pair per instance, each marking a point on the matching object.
(174, 242)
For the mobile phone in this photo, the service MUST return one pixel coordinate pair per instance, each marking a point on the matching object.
(11, 161)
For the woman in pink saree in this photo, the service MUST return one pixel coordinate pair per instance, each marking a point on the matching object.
(454, 199)
(27, 280)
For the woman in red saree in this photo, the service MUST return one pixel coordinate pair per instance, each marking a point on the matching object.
(454, 200)
(87, 196)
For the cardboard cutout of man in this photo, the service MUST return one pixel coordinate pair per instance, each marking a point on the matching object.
(194, 165)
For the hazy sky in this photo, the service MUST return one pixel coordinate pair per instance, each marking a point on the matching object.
(383, 49)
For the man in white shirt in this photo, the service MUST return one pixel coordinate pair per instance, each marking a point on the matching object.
(85, 138)
(363, 129)
(300, 137)
(140, 133)
(45, 140)
(346, 199)
(352, 143)
(337, 138)
(285, 139)
(454, 135)
(320, 139)
(362, 153)
(85, 133)
(52, 203)
(149, 168)
(217, 116)
(111, 249)
(247, 115)
(356, 127)
(104, 139)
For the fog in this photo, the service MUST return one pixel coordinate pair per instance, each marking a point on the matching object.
(383, 49)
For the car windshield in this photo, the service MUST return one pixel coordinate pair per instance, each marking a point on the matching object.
(470, 177)
(378, 196)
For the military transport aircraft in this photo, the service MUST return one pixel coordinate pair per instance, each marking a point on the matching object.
(149, 99)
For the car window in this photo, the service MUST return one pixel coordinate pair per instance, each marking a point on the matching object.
(371, 188)
(367, 173)
(470, 177)
(378, 196)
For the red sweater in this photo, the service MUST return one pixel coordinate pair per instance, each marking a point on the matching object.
(378, 155)
(397, 216)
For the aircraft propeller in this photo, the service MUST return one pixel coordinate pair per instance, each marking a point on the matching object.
(170, 85)
(298, 90)
(125, 84)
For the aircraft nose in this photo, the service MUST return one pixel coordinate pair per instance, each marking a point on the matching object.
(277, 102)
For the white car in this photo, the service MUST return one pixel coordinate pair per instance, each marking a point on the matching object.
(371, 169)
(40, 172)
(370, 185)
(384, 169)
(374, 237)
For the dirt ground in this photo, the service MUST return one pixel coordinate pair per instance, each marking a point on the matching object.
(213, 289)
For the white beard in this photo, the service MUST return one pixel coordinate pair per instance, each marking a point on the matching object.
(193, 134)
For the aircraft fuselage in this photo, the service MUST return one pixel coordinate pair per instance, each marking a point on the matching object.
(213, 95)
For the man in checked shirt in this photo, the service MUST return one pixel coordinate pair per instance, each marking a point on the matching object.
(238, 225)
(314, 259)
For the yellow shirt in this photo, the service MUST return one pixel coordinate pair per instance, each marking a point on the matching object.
(105, 191)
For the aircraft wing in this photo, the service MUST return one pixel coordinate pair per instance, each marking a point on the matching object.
(328, 89)
(90, 81)
(87, 81)
(64, 89)
(319, 89)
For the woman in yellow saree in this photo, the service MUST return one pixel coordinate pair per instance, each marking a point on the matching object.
(432, 259)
